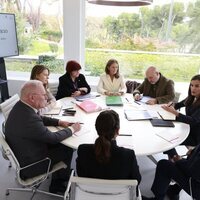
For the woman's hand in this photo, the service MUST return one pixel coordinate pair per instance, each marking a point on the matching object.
(113, 93)
(170, 108)
(76, 93)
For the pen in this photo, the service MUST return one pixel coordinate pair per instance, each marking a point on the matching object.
(76, 122)
(170, 104)
(137, 102)
(125, 135)
(127, 99)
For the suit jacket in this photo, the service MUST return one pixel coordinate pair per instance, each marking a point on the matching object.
(107, 85)
(66, 86)
(191, 117)
(122, 165)
(27, 135)
(162, 91)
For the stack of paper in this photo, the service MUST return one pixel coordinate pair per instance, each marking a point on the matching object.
(54, 111)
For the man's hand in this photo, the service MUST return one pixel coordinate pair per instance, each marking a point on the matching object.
(64, 123)
(151, 101)
(76, 127)
(137, 97)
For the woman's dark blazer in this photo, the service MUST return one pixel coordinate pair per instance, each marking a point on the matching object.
(122, 165)
(66, 85)
(192, 117)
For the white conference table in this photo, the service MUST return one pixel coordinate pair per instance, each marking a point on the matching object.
(143, 137)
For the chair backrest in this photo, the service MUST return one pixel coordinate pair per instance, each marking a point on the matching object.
(98, 189)
(177, 96)
(53, 87)
(7, 151)
(7, 105)
(131, 86)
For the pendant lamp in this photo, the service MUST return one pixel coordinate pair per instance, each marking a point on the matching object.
(122, 2)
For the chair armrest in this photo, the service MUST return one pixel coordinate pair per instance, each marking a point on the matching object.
(67, 191)
(35, 163)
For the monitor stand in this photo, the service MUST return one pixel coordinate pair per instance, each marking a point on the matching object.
(3, 81)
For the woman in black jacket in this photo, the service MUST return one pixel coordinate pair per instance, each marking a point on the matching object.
(105, 159)
(191, 116)
(186, 174)
(72, 83)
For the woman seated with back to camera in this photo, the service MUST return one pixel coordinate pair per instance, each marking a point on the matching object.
(111, 83)
(104, 159)
(72, 83)
(41, 73)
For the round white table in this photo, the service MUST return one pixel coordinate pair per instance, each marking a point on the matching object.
(140, 135)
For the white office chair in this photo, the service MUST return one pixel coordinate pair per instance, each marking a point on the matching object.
(80, 188)
(31, 184)
(7, 105)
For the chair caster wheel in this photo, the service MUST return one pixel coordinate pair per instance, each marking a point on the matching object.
(7, 192)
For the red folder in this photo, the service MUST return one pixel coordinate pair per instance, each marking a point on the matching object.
(89, 106)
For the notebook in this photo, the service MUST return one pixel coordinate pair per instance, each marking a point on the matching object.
(161, 123)
(166, 115)
(114, 101)
(89, 106)
(54, 111)
(133, 115)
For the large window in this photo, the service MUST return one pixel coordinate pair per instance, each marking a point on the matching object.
(165, 35)
(40, 34)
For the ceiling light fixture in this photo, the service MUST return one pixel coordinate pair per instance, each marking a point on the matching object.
(121, 2)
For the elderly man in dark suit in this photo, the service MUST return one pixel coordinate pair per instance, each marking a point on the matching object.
(156, 86)
(31, 141)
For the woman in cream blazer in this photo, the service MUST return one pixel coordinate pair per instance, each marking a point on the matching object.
(111, 82)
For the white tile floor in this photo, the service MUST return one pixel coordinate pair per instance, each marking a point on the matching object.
(7, 179)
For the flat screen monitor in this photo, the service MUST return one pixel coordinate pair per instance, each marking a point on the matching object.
(8, 35)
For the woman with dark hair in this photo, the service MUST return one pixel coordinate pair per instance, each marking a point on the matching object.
(41, 73)
(72, 83)
(105, 159)
(191, 116)
(111, 83)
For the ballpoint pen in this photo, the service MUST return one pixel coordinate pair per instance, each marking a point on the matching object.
(125, 135)
(137, 102)
(170, 104)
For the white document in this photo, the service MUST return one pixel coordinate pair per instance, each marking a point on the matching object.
(83, 130)
(132, 115)
(54, 111)
(168, 136)
(165, 115)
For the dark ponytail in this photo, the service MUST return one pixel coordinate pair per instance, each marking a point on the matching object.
(107, 124)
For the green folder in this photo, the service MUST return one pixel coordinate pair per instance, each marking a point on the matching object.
(114, 101)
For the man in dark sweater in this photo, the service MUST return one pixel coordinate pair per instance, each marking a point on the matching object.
(156, 86)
